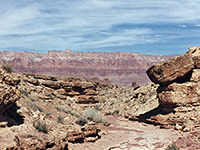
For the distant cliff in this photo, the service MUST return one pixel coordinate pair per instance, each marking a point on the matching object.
(121, 68)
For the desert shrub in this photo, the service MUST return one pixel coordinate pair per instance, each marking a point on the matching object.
(47, 114)
(34, 106)
(60, 119)
(172, 147)
(116, 112)
(75, 113)
(81, 121)
(24, 93)
(105, 122)
(59, 107)
(38, 107)
(92, 114)
(63, 108)
(7, 67)
(40, 126)
(66, 110)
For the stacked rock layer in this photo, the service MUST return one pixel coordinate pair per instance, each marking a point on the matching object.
(179, 91)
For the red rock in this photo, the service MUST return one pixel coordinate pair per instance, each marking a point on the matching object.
(120, 68)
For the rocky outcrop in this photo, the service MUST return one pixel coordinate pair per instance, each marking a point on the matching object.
(174, 69)
(178, 92)
(9, 94)
(119, 68)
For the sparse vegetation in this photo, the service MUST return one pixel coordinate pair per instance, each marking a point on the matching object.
(35, 107)
(81, 121)
(59, 107)
(116, 112)
(63, 108)
(47, 114)
(75, 113)
(7, 67)
(172, 147)
(67, 110)
(24, 93)
(92, 114)
(40, 126)
(60, 119)
(105, 122)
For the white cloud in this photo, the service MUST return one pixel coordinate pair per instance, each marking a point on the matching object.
(182, 25)
(84, 24)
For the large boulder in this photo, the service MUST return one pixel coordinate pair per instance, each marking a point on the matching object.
(178, 93)
(167, 71)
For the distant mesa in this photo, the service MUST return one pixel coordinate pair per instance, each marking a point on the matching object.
(121, 68)
(68, 50)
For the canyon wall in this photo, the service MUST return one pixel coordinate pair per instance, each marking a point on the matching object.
(121, 68)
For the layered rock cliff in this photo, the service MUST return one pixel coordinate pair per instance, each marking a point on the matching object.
(121, 68)
(178, 93)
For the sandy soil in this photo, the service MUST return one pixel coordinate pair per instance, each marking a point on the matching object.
(128, 135)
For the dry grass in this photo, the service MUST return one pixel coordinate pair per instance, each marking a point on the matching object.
(7, 67)
(40, 126)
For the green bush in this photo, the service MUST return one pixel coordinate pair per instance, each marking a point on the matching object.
(59, 107)
(7, 67)
(34, 107)
(92, 114)
(63, 108)
(105, 122)
(81, 121)
(40, 126)
(24, 93)
(172, 147)
(60, 119)
(75, 113)
(67, 110)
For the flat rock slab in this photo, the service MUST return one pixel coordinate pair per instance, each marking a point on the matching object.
(128, 135)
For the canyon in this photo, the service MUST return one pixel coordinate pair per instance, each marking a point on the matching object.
(122, 68)
(48, 112)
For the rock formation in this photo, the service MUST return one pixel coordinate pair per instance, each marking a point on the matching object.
(41, 112)
(47, 112)
(121, 68)
(9, 94)
(178, 93)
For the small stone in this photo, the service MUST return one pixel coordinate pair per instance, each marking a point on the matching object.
(3, 124)
(91, 139)
(178, 127)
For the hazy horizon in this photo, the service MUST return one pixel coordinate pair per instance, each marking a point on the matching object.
(147, 27)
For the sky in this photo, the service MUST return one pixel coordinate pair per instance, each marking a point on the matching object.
(162, 27)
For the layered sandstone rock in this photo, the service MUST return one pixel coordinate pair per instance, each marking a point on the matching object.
(179, 91)
(168, 71)
(180, 94)
(178, 79)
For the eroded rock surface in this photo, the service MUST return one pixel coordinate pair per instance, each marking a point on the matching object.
(9, 94)
(178, 92)
(168, 71)
(58, 103)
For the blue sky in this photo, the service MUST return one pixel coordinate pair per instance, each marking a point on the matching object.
(144, 26)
